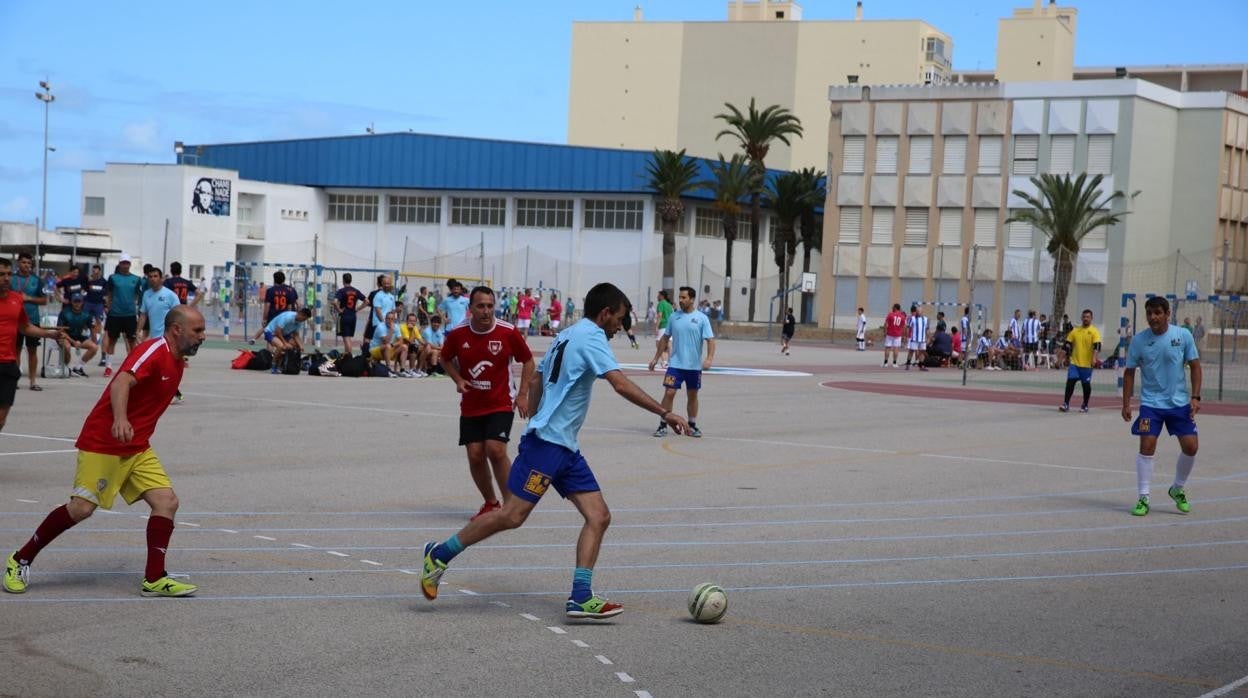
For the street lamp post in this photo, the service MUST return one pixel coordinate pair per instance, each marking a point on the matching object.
(47, 98)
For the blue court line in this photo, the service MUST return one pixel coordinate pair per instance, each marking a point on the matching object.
(562, 593)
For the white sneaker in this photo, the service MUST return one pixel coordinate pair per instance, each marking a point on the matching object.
(419, 374)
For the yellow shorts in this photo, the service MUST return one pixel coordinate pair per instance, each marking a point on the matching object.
(375, 352)
(101, 476)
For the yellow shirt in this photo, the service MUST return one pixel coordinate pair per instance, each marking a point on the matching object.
(1081, 341)
(411, 334)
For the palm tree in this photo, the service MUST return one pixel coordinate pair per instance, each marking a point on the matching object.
(787, 200)
(754, 131)
(1066, 210)
(672, 175)
(730, 181)
(814, 184)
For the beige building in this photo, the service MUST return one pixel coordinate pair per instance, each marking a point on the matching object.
(922, 174)
(651, 85)
(1037, 44)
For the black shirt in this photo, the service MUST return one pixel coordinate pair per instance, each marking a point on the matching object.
(790, 324)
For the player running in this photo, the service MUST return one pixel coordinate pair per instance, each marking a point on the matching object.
(1085, 344)
(483, 349)
(550, 455)
(687, 329)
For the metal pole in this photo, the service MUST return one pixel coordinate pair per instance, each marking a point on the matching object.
(73, 256)
(1175, 288)
(481, 281)
(164, 254)
(836, 253)
(966, 361)
(45, 97)
(527, 249)
(1226, 244)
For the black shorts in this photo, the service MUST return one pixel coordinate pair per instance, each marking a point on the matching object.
(116, 326)
(1031, 346)
(30, 342)
(9, 375)
(346, 325)
(495, 426)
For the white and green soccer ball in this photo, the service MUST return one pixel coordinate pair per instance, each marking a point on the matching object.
(708, 603)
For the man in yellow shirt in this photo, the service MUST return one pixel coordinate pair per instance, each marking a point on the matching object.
(1085, 344)
(417, 350)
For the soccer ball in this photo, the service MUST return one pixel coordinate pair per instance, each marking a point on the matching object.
(707, 603)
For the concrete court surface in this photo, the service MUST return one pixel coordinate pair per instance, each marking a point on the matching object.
(871, 544)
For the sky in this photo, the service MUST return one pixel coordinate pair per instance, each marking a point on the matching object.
(131, 78)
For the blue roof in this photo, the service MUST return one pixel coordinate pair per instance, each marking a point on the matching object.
(426, 161)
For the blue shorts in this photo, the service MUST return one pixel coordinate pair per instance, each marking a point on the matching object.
(676, 377)
(1178, 421)
(540, 464)
(95, 310)
(1079, 373)
(268, 336)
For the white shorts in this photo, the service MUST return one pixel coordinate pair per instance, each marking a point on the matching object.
(916, 346)
(522, 323)
(892, 342)
(554, 324)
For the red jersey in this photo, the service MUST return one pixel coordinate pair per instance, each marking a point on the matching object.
(525, 306)
(484, 360)
(12, 317)
(159, 373)
(895, 324)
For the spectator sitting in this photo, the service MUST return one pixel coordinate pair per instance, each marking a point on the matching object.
(282, 334)
(955, 340)
(986, 352)
(940, 349)
(1010, 352)
(417, 350)
(387, 346)
(434, 336)
(76, 325)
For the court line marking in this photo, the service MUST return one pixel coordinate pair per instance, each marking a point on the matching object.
(580, 643)
(305, 403)
(36, 453)
(624, 677)
(603, 659)
(556, 630)
(1225, 689)
(529, 616)
(38, 436)
(375, 564)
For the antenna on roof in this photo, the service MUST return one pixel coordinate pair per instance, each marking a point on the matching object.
(370, 130)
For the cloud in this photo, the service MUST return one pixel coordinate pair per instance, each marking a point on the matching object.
(142, 136)
(17, 207)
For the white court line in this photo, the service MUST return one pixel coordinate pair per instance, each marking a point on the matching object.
(227, 530)
(188, 523)
(1225, 689)
(370, 562)
(264, 537)
(642, 694)
(469, 592)
(330, 405)
(409, 571)
(301, 545)
(500, 603)
(556, 630)
(335, 553)
(603, 659)
(580, 643)
(29, 501)
(37, 436)
(529, 616)
(623, 677)
(36, 453)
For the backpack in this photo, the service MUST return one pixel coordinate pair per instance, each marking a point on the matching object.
(241, 361)
(292, 364)
(379, 370)
(261, 360)
(353, 366)
(314, 362)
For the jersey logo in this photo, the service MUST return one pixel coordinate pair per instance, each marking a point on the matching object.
(1145, 425)
(480, 368)
(466, 346)
(495, 346)
(537, 483)
(101, 484)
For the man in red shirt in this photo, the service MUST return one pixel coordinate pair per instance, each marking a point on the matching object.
(13, 324)
(524, 311)
(477, 356)
(115, 456)
(894, 331)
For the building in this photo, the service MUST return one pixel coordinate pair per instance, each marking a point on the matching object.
(1037, 44)
(513, 214)
(921, 174)
(1229, 77)
(647, 85)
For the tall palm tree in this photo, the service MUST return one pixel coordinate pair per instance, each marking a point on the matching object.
(731, 180)
(1065, 210)
(787, 200)
(814, 184)
(754, 131)
(671, 176)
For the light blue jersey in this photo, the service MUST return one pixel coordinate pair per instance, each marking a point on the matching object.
(156, 305)
(1161, 359)
(687, 332)
(382, 303)
(286, 321)
(381, 336)
(578, 356)
(435, 336)
(456, 309)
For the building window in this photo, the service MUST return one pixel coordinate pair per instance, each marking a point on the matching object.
(916, 228)
(920, 155)
(1026, 153)
(477, 210)
(544, 213)
(955, 155)
(986, 227)
(197, 271)
(708, 222)
(989, 155)
(342, 207)
(950, 226)
(855, 154)
(1100, 154)
(415, 209)
(680, 223)
(851, 225)
(93, 206)
(886, 154)
(608, 214)
(1018, 234)
(1061, 154)
(881, 226)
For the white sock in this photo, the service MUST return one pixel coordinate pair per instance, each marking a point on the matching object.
(1143, 473)
(1183, 468)
(108, 361)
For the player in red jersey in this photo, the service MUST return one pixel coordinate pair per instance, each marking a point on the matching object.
(115, 456)
(13, 324)
(477, 355)
(894, 331)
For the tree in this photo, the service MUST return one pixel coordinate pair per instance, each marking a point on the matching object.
(1065, 210)
(814, 184)
(787, 200)
(731, 180)
(754, 131)
(671, 176)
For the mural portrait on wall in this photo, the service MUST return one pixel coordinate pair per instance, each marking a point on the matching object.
(211, 196)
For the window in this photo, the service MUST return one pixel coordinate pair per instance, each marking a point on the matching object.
(851, 225)
(1094, 240)
(1026, 152)
(415, 209)
(93, 206)
(986, 227)
(855, 153)
(245, 213)
(476, 210)
(1061, 154)
(342, 207)
(1100, 154)
(546, 213)
(1018, 234)
(989, 155)
(606, 214)
(886, 155)
(881, 226)
(955, 155)
(680, 223)
(916, 228)
(951, 226)
(920, 155)
(197, 271)
(709, 223)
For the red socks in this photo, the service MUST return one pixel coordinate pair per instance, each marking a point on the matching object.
(56, 523)
(159, 530)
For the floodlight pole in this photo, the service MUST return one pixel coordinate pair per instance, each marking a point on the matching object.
(47, 98)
